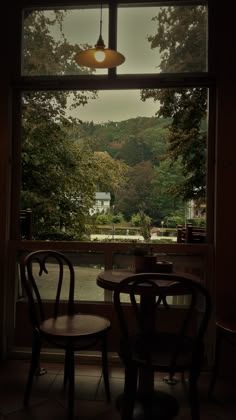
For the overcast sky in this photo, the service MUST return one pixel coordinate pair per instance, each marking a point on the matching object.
(116, 106)
(134, 25)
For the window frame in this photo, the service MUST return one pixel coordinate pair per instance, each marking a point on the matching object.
(110, 81)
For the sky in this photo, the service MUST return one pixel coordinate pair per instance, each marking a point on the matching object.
(134, 25)
(116, 106)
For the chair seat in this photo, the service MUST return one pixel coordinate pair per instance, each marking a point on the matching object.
(77, 326)
(161, 354)
(227, 325)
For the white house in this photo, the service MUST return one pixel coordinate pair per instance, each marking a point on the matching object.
(102, 203)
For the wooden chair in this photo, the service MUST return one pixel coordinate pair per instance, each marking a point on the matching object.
(191, 234)
(225, 331)
(195, 234)
(69, 331)
(146, 345)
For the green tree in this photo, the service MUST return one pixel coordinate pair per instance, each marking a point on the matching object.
(46, 51)
(110, 173)
(58, 180)
(181, 40)
(53, 173)
(164, 202)
(143, 221)
(136, 193)
(135, 150)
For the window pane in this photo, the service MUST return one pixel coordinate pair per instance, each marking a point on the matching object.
(51, 38)
(162, 39)
(127, 165)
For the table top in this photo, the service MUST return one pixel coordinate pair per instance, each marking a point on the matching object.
(109, 279)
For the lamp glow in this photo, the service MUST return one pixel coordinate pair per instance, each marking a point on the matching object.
(99, 56)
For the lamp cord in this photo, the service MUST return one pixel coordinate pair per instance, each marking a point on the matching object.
(101, 20)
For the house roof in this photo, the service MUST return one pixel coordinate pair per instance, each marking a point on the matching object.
(103, 196)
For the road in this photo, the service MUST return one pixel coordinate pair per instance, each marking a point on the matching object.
(140, 238)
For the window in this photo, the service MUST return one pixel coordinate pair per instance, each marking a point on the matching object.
(164, 135)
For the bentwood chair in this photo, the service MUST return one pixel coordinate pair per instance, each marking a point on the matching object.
(70, 331)
(148, 343)
(225, 332)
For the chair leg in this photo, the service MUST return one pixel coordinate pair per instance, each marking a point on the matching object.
(105, 371)
(71, 381)
(66, 363)
(34, 365)
(129, 396)
(215, 368)
(193, 394)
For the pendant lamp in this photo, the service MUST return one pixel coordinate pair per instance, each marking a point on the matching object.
(99, 57)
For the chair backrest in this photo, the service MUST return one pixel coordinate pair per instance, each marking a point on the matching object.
(181, 234)
(26, 224)
(150, 296)
(47, 267)
(195, 234)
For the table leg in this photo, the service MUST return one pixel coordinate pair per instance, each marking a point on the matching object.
(146, 381)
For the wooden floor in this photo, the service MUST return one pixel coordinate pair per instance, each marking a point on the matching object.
(48, 401)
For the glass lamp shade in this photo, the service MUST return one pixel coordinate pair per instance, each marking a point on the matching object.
(99, 57)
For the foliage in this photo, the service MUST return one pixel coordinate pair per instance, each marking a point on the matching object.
(135, 220)
(173, 221)
(145, 225)
(167, 178)
(181, 40)
(144, 222)
(152, 181)
(137, 191)
(103, 219)
(111, 173)
(117, 218)
(53, 173)
(133, 141)
(46, 49)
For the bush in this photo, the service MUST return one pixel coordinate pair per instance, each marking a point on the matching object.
(174, 221)
(135, 220)
(117, 218)
(103, 219)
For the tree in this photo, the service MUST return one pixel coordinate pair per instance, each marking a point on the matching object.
(110, 173)
(46, 50)
(54, 170)
(136, 193)
(164, 202)
(58, 180)
(181, 40)
(135, 150)
(145, 224)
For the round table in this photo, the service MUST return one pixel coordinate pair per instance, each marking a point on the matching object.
(150, 404)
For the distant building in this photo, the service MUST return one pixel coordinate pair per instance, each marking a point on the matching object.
(196, 209)
(102, 203)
